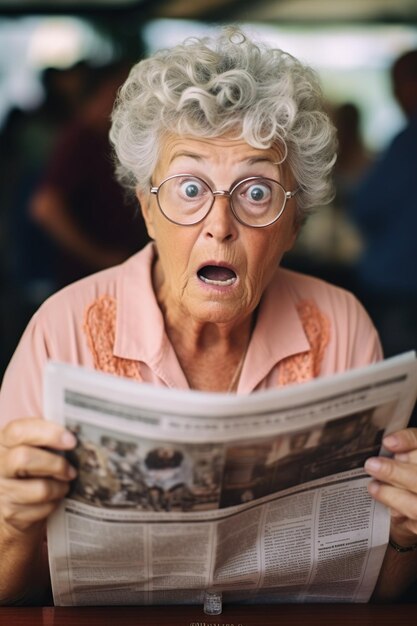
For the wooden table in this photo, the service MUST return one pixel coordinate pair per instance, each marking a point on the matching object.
(282, 615)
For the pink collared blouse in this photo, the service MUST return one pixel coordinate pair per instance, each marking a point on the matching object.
(111, 321)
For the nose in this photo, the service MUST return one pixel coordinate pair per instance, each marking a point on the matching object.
(220, 223)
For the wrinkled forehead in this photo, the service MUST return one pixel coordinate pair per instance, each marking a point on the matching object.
(226, 153)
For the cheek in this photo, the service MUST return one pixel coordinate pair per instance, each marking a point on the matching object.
(174, 245)
(265, 249)
(261, 264)
(264, 253)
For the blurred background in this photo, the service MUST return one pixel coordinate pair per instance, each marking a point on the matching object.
(62, 216)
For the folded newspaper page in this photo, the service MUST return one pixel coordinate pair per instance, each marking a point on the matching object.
(262, 497)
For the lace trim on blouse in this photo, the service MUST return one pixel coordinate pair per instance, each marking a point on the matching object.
(99, 326)
(299, 368)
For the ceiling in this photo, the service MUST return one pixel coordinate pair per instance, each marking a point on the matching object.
(229, 10)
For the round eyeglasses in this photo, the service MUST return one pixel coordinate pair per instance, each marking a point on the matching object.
(256, 201)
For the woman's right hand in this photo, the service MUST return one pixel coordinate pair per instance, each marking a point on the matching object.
(33, 477)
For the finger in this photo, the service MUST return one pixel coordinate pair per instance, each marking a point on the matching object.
(36, 432)
(21, 517)
(25, 462)
(406, 457)
(401, 500)
(32, 491)
(397, 474)
(398, 516)
(401, 441)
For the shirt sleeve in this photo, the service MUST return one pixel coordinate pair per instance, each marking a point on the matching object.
(22, 387)
(355, 341)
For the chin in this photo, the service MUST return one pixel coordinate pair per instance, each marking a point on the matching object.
(216, 313)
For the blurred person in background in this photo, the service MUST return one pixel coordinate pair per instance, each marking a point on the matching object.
(28, 139)
(353, 157)
(27, 253)
(385, 211)
(79, 203)
(330, 243)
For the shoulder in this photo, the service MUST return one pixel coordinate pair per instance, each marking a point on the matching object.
(342, 307)
(61, 318)
(69, 304)
(350, 335)
(106, 283)
(324, 294)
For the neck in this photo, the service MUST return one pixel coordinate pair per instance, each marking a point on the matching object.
(205, 338)
(211, 356)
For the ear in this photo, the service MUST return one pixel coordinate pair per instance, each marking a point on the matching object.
(144, 199)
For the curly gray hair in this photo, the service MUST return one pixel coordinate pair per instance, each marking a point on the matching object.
(228, 84)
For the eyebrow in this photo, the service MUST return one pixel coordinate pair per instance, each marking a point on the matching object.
(260, 159)
(250, 161)
(191, 155)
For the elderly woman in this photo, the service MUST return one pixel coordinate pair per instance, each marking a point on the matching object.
(227, 147)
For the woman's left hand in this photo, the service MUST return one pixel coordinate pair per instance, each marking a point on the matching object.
(395, 484)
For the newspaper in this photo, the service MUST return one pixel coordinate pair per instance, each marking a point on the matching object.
(262, 497)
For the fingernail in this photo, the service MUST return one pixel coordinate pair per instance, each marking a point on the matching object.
(391, 441)
(68, 439)
(72, 472)
(373, 487)
(373, 465)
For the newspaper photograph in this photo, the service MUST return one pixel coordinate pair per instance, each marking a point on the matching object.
(262, 497)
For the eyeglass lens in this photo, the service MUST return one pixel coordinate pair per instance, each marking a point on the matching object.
(187, 200)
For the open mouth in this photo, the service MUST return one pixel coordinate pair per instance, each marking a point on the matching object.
(217, 275)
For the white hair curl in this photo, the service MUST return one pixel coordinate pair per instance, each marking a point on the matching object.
(228, 84)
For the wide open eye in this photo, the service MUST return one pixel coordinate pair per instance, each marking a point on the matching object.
(254, 195)
(257, 193)
(184, 198)
(191, 189)
(258, 201)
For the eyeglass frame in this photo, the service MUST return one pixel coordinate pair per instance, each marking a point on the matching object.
(225, 194)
